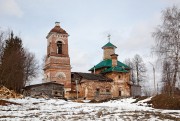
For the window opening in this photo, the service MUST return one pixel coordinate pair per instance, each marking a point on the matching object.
(59, 47)
(107, 90)
(119, 77)
(119, 93)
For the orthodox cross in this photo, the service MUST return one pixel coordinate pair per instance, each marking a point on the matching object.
(109, 37)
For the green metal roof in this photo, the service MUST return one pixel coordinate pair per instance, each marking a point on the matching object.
(123, 65)
(108, 63)
(109, 45)
(115, 69)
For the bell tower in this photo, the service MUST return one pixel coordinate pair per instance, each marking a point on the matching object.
(57, 64)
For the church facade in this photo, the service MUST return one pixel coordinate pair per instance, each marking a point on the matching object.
(111, 68)
(108, 79)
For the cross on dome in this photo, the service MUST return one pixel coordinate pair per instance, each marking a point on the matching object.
(109, 37)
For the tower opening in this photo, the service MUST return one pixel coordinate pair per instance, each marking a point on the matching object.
(59, 47)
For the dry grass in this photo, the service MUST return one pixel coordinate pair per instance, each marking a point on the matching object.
(163, 101)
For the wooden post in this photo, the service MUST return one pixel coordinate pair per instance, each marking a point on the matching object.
(77, 87)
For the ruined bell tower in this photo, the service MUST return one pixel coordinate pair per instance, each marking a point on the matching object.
(57, 64)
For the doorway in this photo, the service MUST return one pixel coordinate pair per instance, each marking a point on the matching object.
(119, 93)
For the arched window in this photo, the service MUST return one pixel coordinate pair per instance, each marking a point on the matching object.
(59, 47)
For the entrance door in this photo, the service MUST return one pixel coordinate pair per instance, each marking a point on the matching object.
(97, 91)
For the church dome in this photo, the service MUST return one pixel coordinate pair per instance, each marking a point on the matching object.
(109, 45)
(58, 29)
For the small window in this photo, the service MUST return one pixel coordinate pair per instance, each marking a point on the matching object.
(119, 76)
(56, 93)
(107, 90)
(97, 89)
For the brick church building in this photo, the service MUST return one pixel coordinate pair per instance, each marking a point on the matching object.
(109, 78)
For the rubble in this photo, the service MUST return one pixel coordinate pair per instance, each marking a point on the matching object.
(5, 93)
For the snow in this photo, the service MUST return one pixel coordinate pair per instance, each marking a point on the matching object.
(32, 109)
(145, 100)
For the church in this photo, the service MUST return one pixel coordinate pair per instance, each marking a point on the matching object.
(109, 78)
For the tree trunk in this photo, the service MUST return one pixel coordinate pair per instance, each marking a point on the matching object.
(175, 75)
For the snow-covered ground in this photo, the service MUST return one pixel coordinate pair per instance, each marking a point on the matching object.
(59, 110)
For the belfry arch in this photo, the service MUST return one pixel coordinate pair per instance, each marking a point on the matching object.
(59, 47)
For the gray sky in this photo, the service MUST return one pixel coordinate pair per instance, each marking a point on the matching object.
(88, 22)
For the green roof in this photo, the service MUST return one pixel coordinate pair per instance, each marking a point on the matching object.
(123, 65)
(108, 64)
(109, 45)
(115, 69)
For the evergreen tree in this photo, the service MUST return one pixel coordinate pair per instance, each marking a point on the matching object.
(12, 64)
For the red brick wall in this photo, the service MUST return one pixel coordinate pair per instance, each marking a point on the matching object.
(56, 63)
(88, 89)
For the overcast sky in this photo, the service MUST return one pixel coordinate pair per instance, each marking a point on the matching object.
(88, 22)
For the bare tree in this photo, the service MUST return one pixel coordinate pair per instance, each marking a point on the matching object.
(147, 91)
(129, 63)
(167, 36)
(31, 67)
(139, 68)
(2, 39)
(167, 76)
